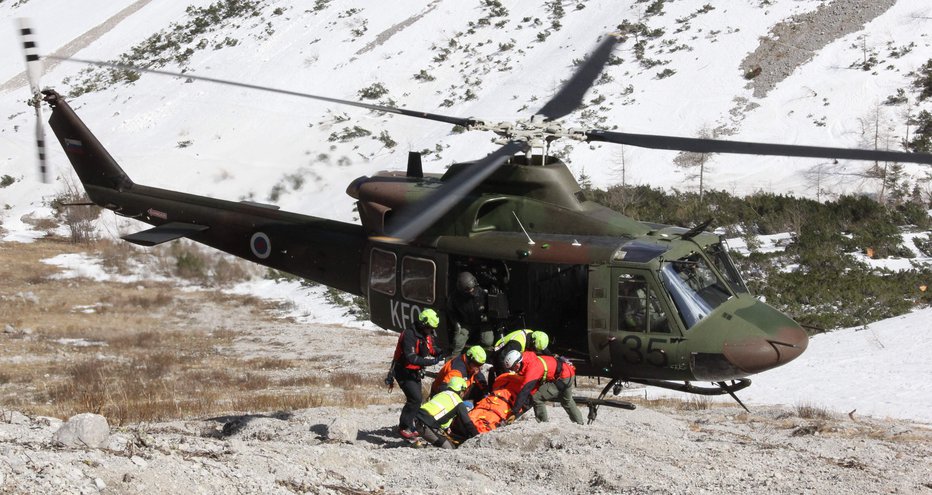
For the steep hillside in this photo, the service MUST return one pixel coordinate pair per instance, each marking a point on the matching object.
(685, 66)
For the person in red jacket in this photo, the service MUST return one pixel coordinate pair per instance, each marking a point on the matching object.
(544, 378)
(415, 350)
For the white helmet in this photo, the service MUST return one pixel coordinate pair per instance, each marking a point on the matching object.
(512, 358)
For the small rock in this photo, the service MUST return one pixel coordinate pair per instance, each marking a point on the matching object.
(84, 430)
(340, 430)
(99, 483)
(16, 418)
(118, 443)
(139, 461)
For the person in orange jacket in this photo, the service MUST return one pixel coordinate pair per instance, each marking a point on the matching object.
(467, 366)
(415, 350)
(496, 408)
(544, 378)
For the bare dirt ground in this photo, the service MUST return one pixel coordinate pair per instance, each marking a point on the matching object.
(210, 393)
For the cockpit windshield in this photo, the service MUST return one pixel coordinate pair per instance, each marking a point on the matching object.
(722, 262)
(695, 287)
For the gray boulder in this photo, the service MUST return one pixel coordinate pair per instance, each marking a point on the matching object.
(84, 431)
(340, 430)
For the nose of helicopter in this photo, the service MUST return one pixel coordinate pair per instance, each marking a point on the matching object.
(778, 345)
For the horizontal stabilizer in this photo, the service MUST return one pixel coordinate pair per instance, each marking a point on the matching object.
(164, 233)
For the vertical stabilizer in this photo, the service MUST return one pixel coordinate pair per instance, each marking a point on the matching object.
(91, 161)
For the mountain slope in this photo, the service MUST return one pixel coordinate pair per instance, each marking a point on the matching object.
(680, 70)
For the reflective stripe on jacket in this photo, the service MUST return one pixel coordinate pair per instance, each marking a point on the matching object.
(442, 404)
(519, 336)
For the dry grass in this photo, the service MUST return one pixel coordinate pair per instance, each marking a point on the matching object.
(141, 352)
(692, 403)
(808, 410)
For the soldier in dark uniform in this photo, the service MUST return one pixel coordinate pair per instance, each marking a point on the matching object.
(469, 315)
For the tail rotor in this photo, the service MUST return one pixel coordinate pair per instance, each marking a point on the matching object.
(33, 73)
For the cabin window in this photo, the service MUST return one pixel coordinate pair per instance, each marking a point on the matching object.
(382, 267)
(418, 277)
(639, 308)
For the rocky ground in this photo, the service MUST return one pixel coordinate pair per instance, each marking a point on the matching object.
(343, 450)
(794, 42)
(348, 445)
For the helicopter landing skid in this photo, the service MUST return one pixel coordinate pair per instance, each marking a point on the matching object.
(615, 385)
(723, 388)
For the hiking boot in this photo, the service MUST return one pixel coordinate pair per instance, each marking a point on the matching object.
(407, 434)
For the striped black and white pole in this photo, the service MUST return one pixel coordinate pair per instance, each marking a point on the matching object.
(34, 73)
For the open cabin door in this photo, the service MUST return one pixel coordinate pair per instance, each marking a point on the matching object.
(402, 281)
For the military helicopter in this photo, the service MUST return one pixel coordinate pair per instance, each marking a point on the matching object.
(627, 300)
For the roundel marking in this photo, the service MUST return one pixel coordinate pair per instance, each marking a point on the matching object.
(261, 245)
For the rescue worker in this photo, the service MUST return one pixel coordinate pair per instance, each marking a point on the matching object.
(443, 409)
(519, 340)
(415, 350)
(544, 378)
(495, 408)
(469, 315)
(467, 366)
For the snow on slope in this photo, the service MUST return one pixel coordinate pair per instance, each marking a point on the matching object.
(245, 144)
(879, 370)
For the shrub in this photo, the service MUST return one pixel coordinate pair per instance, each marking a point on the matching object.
(923, 81)
(80, 219)
(373, 92)
(348, 134)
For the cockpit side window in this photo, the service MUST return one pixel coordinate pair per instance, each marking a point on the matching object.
(639, 308)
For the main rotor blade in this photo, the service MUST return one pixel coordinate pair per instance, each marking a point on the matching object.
(40, 145)
(31, 51)
(699, 145)
(465, 122)
(571, 94)
(415, 218)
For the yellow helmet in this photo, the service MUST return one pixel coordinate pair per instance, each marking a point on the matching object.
(429, 318)
(540, 340)
(457, 384)
(476, 354)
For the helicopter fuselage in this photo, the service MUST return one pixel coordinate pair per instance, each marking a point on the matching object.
(604, 286)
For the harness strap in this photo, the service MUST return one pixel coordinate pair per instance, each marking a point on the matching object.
(543, 379)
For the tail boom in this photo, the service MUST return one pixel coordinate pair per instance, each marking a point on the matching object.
(318, 249)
